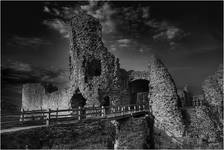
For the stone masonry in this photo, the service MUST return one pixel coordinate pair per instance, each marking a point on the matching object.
(164, 99)
(94, 70)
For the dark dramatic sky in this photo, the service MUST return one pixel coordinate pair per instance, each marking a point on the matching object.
(187, 36)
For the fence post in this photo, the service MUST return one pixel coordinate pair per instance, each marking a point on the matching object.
(139, 108)
(22, 116)
(134, 108)
(79, 113)
(129, 109)
(93, 110)
(122, 110)
(102, 111)
(48, 117)
(57, 115)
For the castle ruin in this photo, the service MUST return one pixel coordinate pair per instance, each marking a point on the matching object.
(97, 79)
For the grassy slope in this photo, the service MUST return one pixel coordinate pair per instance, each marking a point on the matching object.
(93, 134)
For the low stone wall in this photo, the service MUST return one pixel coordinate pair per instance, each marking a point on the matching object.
(35, 97)
(134, 133)
(32, 96)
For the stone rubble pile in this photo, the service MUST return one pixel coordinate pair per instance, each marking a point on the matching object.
(164, 99)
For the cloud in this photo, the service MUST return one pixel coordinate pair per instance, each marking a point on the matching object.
(103, 13)
(46, 9)
(145, 12)
(124, 42)
(19, 66)
(167, 32)
(141, 50)
(58, 25)
(61, 15)
(129, 20)
(170, 33)
(32, 42)
(112, 48)
(20, 72)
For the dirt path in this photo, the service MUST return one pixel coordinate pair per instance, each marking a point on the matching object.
(21, 128)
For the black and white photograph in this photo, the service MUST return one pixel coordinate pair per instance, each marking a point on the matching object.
(111, 74)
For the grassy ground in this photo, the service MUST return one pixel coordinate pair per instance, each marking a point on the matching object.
(94, 134)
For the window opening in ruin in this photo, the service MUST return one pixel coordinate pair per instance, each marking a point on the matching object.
(139, 90)
(78, 99)
(49, 87)
(105, 101)
(93, 68)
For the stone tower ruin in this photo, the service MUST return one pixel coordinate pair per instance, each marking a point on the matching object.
(93, 70)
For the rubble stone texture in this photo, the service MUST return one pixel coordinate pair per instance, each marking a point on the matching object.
(213, 88)
(164, 99)
(202, 124)
(134, 133)
(35, 97)
(213, 92)
(135, 75)
(32, 96)
(94, 70)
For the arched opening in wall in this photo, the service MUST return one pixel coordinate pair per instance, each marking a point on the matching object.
(93, 68)
(106, 103)
(49, 87)
(78, 99)
(139, 90)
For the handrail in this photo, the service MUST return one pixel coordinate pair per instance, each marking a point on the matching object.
(76, 113)
(81, 113)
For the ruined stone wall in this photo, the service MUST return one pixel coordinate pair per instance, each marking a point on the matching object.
(213, 95)
(164, 99)
(32, 96)
(134, 133)
(35, 97)
(58, 99)
(202, 125)
(213, 88)
(135, 75)
(94, 70)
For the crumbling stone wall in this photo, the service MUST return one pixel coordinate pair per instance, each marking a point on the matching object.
(164, 99)
(32, 96)
(213, 93)
(202, 125)
(135, 75)
(134, 133)
(35, 97)
(213, 88)
(94, 70)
